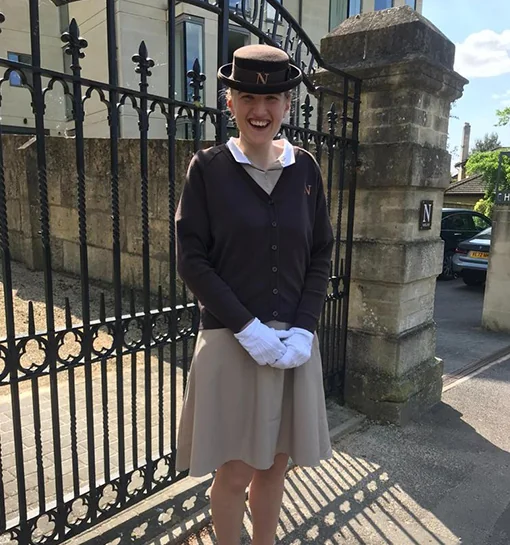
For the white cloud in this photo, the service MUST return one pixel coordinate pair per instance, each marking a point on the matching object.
(504, 96)
(484, 54)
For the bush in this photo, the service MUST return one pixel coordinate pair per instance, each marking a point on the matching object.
(485, 206)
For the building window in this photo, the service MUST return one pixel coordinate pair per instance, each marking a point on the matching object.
(239, 4)
(411, 3)
(354, 7)
(271, 12)
(237, 37)
(383, 4)
(339, 10)
(189, 46)
(15, 78)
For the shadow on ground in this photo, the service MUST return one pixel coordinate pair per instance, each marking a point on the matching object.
(444, 480)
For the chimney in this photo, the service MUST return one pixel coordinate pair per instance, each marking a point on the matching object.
(464, 154)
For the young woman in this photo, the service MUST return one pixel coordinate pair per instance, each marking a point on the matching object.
(254, 245)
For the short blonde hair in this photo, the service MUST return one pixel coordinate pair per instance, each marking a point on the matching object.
(228, 93)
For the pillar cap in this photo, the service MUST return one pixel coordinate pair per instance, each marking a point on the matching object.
(387, 37)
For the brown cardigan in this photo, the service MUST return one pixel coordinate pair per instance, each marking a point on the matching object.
(246, 254)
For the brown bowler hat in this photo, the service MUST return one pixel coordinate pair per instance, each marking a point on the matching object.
(260, 69)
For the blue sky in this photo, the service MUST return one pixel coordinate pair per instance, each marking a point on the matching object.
(481, 33)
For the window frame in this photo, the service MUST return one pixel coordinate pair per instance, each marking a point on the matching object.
(182, 89)
(392, 2)
(348, 12)
(447, 222)
(239, 6)
(351, 13)
(241, 31)
(270, 18)
(478, 218)
(22, 58)
(183, 92)
(414, 2)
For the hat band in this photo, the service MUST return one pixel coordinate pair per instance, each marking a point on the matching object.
(259, 78)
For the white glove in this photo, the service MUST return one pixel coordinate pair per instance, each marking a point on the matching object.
(299, 348)
(261, 342)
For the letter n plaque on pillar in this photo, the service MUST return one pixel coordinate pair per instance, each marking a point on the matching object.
(426, 210)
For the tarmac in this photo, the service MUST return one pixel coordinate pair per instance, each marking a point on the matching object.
(461, 340)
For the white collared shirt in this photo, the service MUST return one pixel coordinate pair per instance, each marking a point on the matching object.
(286, 158)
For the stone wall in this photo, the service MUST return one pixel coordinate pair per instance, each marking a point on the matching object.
(496, 307)
(19, 209)
(23, 205)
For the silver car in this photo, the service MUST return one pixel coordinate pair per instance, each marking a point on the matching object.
(471, 258)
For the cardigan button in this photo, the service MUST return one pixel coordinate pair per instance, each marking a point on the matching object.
(270, 202)
(275, 269)
(275, 291)
(275, 313)
(274, 247)
(274, 224)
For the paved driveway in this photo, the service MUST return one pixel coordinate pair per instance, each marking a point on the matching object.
(460, 338)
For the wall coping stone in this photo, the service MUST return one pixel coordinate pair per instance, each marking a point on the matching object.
(387, 36)
(399, 45)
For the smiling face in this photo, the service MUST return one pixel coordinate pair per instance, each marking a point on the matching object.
(258, 117)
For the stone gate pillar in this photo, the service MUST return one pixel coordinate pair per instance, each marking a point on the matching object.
(496, 305)
(408, 85)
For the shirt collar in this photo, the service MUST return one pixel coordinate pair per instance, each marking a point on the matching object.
(286, 158)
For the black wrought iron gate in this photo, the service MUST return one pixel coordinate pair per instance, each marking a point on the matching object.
(92, 374)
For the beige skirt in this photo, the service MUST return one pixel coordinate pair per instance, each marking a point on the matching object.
(235, 409)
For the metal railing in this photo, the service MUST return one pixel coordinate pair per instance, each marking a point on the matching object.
(91, 405)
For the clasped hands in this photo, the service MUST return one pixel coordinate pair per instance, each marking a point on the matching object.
(279, 349)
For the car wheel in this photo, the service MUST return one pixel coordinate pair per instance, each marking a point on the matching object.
(473, 279)
(447, 273)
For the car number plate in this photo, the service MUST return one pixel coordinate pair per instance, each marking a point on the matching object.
(479, 255)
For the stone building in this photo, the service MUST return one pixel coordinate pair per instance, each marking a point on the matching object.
(16, 111)
(465, 193)
(196, 38)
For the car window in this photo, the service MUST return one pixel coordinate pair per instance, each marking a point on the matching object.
(485, 235)
(481, 223)
(459, 222)
(447, 223)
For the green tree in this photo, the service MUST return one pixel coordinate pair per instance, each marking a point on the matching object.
(485, 207)
(486, 164)
(488, 143)
(504, 117)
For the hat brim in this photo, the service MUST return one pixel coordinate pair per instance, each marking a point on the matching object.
(296, 77)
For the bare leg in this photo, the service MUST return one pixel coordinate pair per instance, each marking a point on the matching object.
(228, 498)
(266, 493)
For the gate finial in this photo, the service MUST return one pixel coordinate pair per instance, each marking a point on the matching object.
(196, 80)
(307, 110)
(332, 119)
(75, 44)
(144, 65)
